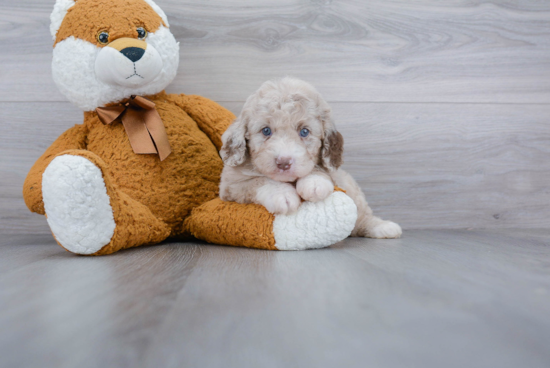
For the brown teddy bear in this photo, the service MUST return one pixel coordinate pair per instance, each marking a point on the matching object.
(144, 166)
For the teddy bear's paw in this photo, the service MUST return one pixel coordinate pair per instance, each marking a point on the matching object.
(316, 224)
(77, 206)
(314, 188)
(386, 230)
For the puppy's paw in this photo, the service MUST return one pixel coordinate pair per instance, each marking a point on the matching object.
(279, 200)
(386, 230)
(314, 188)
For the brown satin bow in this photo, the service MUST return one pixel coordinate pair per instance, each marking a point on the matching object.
(142, 123)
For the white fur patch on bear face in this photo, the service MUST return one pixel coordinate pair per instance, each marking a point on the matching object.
(76, 61)
(131, 67)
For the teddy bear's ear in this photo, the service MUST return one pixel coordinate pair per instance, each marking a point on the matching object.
(159, 11)
(58, 14)
(61, 8)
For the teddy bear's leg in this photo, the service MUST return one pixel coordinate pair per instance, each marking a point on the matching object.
(314, 225)
(87, 214)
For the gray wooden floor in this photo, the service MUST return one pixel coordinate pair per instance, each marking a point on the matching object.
(447, 298)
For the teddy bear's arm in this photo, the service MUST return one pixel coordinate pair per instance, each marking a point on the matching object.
(73, 138)
(211, 118)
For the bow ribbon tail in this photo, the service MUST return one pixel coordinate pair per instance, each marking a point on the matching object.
(156, 129)
(135, 127)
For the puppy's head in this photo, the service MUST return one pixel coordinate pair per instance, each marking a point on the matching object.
(285, 129)
(108, 50)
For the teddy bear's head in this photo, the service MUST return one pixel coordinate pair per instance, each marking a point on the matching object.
(107, 50)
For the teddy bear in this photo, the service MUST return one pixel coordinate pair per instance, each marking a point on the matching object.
(144, 165)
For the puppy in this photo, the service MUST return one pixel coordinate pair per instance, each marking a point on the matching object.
(283, 148)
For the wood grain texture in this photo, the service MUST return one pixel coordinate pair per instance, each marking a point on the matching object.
(431, 299)
(421, 165)
(483, 163)
(451, 166)
(422, 51)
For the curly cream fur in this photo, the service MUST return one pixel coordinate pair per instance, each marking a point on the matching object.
(251, 173)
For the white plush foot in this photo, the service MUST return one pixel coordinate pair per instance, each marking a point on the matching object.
(314, 188)
(77, 205)
(386, 230)
(316, 224)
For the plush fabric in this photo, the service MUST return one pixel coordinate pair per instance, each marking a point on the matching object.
(142, 189)
(77, 203)
(231, 223)
(101, 197)
(328, 222)
(86, 18)
(74, 71)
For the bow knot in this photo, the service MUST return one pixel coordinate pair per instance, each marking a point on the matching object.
(142, 123)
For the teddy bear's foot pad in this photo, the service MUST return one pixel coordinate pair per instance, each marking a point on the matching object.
(316, 224)
(77, 206)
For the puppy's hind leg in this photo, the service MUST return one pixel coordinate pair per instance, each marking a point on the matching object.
(367, 224)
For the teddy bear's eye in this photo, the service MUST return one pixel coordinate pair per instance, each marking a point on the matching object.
(103, 37)
(142, 33)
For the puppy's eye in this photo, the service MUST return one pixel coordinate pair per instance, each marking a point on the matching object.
(142, 33)
(304, 132)
(266, 131)
(103, 37)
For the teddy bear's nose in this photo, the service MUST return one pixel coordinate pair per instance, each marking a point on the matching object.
(133, 53)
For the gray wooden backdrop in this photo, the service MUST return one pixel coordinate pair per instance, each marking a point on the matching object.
(444, 106)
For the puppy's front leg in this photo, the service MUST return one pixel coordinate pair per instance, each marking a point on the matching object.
(243, 186)
(315, 186)
(277, 197)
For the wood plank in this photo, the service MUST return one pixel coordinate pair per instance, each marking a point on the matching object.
(451, 166)
(18, 251)
(68, 311)
(425, 51)
(448, 298)
(325, 309)
(422, 165)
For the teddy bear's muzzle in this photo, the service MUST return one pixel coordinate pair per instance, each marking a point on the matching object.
(128, 62)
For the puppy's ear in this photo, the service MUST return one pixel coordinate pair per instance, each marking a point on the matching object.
(333, 142)
(332, 150)
(234, 148)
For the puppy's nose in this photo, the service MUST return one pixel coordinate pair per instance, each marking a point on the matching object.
(283, 163)
(133, 53)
